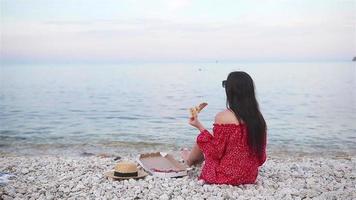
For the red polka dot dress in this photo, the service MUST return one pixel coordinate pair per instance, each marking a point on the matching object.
(228, 159)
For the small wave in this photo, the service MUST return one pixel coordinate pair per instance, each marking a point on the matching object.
(141, 115)
(4, 145)
(11, 138)
(42, 128)
(7, 132)
(75, 110)
(155, 121)
(113, 117)
(36, 131)
(311, 116)
(168, 118)
(74, 125)
(115, 111)
(129, 118)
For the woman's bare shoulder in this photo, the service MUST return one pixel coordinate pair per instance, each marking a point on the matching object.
(226, 117)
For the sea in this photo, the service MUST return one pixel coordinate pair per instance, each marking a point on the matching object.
(66, 109)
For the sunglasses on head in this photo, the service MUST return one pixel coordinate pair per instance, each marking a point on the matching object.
(223, 83)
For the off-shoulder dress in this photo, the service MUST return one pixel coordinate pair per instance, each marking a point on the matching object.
(228, 159)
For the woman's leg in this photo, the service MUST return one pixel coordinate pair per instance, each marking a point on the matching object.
(193, 157)
(196, 156)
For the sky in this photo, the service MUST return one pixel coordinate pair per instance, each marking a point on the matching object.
(177, 30)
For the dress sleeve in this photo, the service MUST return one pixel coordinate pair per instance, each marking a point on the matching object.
(212, 145)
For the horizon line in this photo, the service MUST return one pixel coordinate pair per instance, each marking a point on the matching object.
(24, 62)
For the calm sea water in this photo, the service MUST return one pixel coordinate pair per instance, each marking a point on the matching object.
(309, 107)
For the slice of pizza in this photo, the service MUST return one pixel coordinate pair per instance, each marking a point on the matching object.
(197, 109)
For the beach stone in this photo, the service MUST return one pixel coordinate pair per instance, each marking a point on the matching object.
(79, 187)
(179, 198)
(117, 158)
(21, 190)
(25, 171)
(206, 188)
(71, 185)
(11, 192)
(66, 190)
(98, 192)
(108, 187)
(191, 183)
(200, 182)
(185, 191)
(19, 196)
(49, 197)
(177, 193)
(164, 197)
(6, 197)
(30, 179)
(35, 195)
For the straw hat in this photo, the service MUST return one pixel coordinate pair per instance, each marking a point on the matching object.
(126, 170)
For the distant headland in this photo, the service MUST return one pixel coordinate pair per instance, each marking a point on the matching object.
(354, 59)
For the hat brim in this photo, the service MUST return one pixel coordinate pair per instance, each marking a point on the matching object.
(110, 174)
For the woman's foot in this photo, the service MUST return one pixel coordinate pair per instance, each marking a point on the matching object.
(185, 156)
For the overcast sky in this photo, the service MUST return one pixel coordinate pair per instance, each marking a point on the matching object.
(177, 30)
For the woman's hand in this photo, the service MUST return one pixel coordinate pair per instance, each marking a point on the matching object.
(194, 121)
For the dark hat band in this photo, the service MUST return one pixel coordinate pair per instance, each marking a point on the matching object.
(125, 174)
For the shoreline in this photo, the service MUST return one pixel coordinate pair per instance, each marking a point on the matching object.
(129, 150)
(281, 177)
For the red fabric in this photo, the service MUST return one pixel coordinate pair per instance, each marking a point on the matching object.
(228, 159)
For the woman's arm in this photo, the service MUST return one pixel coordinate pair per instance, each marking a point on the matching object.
(196, 123)
(212, 146)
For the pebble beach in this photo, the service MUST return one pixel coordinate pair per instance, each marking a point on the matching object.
(82, 177)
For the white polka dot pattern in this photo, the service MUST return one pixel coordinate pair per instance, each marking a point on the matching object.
(228, 159)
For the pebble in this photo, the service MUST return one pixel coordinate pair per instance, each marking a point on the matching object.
(50, 177)
(179, 198)
(25, 171)
(11, 192)
(200, 182)
(185, 191)
(49, 197)
(6, 197)
(192, 183)
(164, 197)
(117, 158)
(30, 178)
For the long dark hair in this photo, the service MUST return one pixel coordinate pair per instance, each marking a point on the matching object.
(241, 99)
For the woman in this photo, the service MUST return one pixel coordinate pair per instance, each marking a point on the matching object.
(238, 145)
